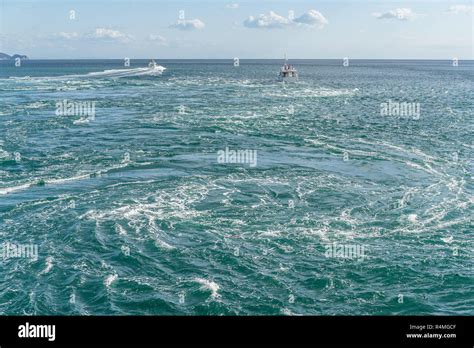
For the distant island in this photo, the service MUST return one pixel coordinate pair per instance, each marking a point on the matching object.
(4, 56)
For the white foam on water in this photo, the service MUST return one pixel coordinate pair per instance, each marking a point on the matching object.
(64, 180)
(448, 240)
(110, 279)
(406, 196)
(155, 231)
(286, 311)
(82, 120)
(270, 233)
(110, 73)
(162, 244)
(346, 217)
(316, 92)
(322, 232)
(20, 78)
(174, 203)
(315, 142)
(113, 73)
(49, 265)
(427, 160)
(209, 285)
(35, 105)
(121, 231)
(7, 190)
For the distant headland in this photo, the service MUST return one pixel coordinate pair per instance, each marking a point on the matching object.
(4, 56)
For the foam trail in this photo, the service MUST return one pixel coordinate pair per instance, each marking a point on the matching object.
(115, 73)
(112, 73)
(7, 190)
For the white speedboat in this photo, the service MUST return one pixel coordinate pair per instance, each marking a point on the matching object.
(288, 73)
(155, 68)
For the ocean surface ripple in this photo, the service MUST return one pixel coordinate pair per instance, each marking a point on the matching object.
(132, 213)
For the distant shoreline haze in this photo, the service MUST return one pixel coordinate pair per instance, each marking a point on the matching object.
(4, 56)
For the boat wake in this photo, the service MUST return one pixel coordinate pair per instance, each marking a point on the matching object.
(115, 73)
(154, 70)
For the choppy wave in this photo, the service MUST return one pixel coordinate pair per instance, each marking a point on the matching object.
(171, 230)
(212, 286)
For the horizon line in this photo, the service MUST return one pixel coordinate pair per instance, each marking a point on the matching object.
(231, 59)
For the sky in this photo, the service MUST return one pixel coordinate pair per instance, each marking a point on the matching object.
(213, 29)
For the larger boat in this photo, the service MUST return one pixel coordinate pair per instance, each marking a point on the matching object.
(288, 72)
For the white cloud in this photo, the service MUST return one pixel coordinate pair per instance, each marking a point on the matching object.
(189, 24)
(312, 18)
(273, 20)
(68, 36)
(109, 35)
(158, 39)
(270, 20)
(98, 34)
(232, 6)
(457, 9)
(401, 14)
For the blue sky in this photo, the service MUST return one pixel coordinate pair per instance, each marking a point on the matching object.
(241, 28)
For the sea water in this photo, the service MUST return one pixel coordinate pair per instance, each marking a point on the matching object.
(340, 202)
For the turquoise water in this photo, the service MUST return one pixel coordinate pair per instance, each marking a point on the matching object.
(132, 213)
